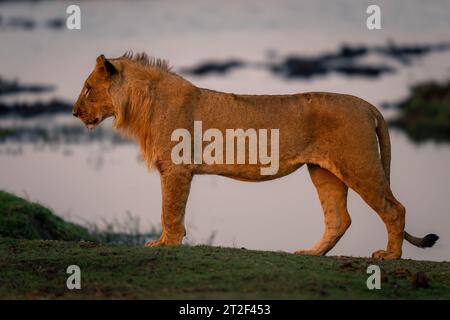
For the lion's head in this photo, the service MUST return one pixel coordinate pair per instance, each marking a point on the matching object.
(94, 103)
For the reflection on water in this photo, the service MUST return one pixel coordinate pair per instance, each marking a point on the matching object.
(94, 175)
(347, 61)
(55, 131)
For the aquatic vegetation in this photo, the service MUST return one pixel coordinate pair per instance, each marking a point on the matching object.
(425, 114)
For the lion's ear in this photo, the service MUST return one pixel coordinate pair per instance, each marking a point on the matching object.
(104, 65)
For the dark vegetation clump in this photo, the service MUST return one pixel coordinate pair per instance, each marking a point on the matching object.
(425, 114)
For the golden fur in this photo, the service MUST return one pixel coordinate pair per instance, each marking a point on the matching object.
(343, 140)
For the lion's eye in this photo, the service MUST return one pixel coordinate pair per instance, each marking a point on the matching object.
(87, 90)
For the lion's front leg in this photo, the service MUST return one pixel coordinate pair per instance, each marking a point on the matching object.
(175, 186)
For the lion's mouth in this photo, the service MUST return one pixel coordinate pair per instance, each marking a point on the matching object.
(91, 124)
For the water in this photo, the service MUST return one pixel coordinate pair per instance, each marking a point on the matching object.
(99, 179)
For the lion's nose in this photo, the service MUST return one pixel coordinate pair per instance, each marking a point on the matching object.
(75, 114)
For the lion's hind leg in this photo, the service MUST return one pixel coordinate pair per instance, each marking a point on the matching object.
(392, 212)
(333, 198)
(370, 183)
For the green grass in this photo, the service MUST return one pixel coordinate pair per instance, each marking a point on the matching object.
(32, 268)
(21, 219)
(25, 220)
(37, 269)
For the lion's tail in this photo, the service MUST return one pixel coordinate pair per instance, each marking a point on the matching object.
(426, 242)
(385, 153)
(384, 142)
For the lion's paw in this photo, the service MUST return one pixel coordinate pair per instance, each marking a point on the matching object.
(385, 255)
(154, 243)
(162, 242)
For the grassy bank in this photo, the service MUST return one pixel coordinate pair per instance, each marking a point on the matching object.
(33, 268)
(25, 220)
(21, 219)
(37, 269)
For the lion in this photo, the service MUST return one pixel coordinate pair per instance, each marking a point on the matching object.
(342, 139)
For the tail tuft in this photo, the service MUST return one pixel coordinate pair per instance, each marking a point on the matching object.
(429, 240)
(426, 242)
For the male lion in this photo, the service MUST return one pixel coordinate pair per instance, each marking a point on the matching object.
(343, 140)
